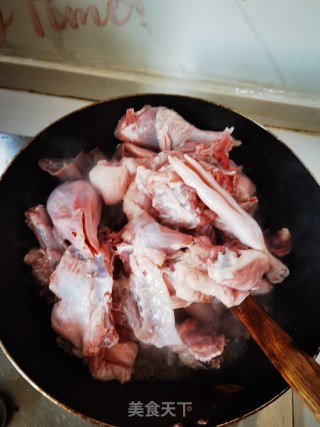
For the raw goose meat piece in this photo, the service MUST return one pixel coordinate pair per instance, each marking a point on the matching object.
(82, 314)
(135, 202)
(199, 343)
(221, 202)
(43, 260)
(127, 150)
(188, 275)
(110, 180)
(231, 215)
(64, 169)
(241, 271)
(122, 300)
(227, 174)
(75, 210)
(43, 263)
(245, 189)
(146, 231)
(164, 129)
(73, 168)
(39, 222)
(176, 204)
(115, 363)
(161, 242)
(147, 306)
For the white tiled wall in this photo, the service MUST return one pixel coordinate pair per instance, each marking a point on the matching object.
(273, 44)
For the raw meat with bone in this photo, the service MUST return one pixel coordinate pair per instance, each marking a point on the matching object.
(242, 271)
(43, 263)
(176, 203)
(82, 313)
(110, 180)
(147, 302)
(75, 210)
(235, 219)
(144, 230)
(188, 275)
(39, 222)
(190, 242)
(219, 201)
(127, 149)
(43, 260)
(199, 342)
(116, 362)
(135, 202)
(147, 299)
(164, 129)
(74, 168)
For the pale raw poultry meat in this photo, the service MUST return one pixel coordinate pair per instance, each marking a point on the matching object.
(75, 210)
(135, 202)
(147, 306)
(164, 129)
(43, 263)
(82, 314)
(200, 345)
(39, 222)
(188, 275)
(176, 204)
(72, 168)
(116, 362)
(147, 301)
(146, 231)
(111, 181)
(43, 260)
(231, 216)
(242, 270)
(146, 251)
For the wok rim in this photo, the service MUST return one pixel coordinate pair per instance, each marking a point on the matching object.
(103, 424)
(92, 104)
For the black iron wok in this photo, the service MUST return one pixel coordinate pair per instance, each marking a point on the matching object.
(289, 197)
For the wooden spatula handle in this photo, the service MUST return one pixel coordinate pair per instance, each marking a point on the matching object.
(300, 371)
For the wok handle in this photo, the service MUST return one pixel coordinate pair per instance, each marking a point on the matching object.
(300, 371)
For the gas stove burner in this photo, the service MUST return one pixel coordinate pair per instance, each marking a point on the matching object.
(3, 413)
(7, 408)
